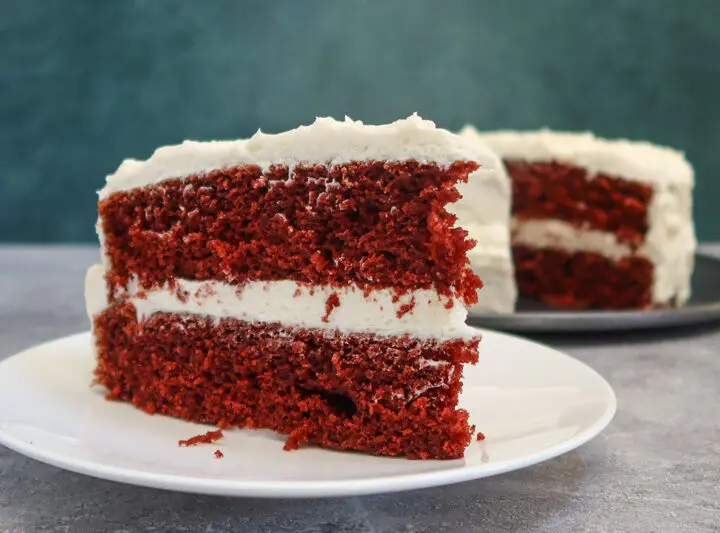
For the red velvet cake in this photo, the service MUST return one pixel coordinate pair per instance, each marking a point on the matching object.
(310, 282)
(596, 223)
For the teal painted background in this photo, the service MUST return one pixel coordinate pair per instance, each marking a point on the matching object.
(84, 84)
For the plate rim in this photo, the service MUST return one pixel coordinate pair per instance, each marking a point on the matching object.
(569, 321)
(305, 489)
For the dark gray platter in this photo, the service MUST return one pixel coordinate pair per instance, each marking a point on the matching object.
(532, 316)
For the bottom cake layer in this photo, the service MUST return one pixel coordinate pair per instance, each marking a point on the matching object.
(583, 280)
(380, 395)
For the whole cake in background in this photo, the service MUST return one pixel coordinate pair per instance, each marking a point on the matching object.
(596, 223)
(310, 282)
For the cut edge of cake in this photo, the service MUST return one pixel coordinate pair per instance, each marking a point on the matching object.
(667, 242)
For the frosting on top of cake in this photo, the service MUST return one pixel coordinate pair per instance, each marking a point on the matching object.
(631, 160)
(326, 141)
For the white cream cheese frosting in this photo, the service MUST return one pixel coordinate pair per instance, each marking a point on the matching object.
(670, 242)
(630, 160)
(293, 305)
(484, 212)
(553, 233)
(326, 141)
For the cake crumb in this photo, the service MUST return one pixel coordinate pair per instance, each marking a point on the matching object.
(406, 308)
(219, 454)
(480, 436)
(206, 438)
(332, 302)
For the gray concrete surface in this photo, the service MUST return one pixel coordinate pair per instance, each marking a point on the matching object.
(656, 468)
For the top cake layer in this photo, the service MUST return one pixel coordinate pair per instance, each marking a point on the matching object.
(309, 225)
(326, 141)
(630, 160)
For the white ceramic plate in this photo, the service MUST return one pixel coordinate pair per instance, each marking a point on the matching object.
(532, 402)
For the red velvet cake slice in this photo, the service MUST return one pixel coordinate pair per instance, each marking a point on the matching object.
(310, 282)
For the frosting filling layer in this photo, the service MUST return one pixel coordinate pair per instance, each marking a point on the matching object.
(420, 313)
(553, 233)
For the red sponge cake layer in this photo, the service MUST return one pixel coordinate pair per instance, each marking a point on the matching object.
(583, 280)
(379, 395)
(371, 224)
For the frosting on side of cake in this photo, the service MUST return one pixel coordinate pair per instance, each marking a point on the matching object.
(670, 242)
(326, 141)
(630, 160)
(491, 259)
(484, 212)
(294, 305)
